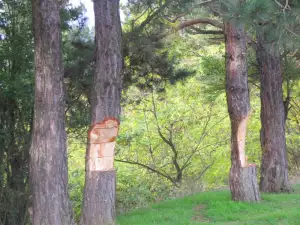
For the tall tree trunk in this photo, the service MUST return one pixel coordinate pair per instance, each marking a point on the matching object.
(243, 182)
(99, 193)
(274, 165)
(48, 153)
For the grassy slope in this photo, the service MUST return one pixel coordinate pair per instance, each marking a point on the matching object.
(217, 208)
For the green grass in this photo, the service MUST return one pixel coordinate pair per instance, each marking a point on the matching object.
(217, 208)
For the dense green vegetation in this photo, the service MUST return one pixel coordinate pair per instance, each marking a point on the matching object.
(175, 131)
(216, 207)
(200, 130)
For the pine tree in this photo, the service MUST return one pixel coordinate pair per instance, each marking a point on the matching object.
(100, 181)
(48, 153)
(243, 182)
(273, 29)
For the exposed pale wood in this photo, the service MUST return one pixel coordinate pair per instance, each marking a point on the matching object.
(99, 192)
(241, 139)
(243, 181)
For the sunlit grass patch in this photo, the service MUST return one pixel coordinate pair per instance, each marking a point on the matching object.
(217, 208)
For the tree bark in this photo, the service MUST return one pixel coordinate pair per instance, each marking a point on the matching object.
(99, 193)
(243, 182)
(48, 152)
(274, 165)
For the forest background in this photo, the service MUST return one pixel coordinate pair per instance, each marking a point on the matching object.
(175, 129)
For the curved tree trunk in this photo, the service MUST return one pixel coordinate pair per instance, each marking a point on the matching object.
(99, 193)
(243, 182)
(274, 165)
(48, 153)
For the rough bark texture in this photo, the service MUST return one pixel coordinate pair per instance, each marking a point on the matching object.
(243, 183)
(274, 165)
(99, 193)
(48, 153)
(99, 198)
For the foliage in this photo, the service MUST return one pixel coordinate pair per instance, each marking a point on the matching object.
(16, 102)
(169, 141)
(78, 61)
(76, 169)
(193, 100)
(194, 137)
(174, 88)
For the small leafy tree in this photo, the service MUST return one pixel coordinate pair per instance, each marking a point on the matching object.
(170, 134)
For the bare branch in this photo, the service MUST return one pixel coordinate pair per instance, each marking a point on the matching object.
(188, 11)
(294, 53)
(148, 168)
(149, 139)
(142, 14)
(278, 3)
(193, 22)
(284, 7)
(292, 32)
(175, 19)
(204, 2)
(190, 23)
(203, 171)
(200, 31)
(196, 149)
(152, 16)
(204, 131)
(168, 141)
(69, 105)
(252, 82)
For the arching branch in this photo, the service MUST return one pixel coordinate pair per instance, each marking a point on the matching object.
(193, 22)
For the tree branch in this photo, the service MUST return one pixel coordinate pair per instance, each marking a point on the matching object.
(200, 31)
(188, 11)
(190, 23)
(196, 149)
(203, 171)
(166, 140)
(149, 139)
(152, 16)
(284, 7)
(148, 168)
(193, 22)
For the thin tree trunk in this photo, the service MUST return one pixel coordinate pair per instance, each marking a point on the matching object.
(274, 165)
(243, 182)
(99, 193)
(48, 152)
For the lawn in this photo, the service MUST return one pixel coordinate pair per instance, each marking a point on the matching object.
(217, 208)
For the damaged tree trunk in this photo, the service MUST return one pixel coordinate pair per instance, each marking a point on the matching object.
(274, 165)
(48, 153)
(243, 181)
(100, 181)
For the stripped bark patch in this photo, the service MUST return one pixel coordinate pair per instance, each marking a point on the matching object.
(102, 138)
(241, 140)
(105, 131)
